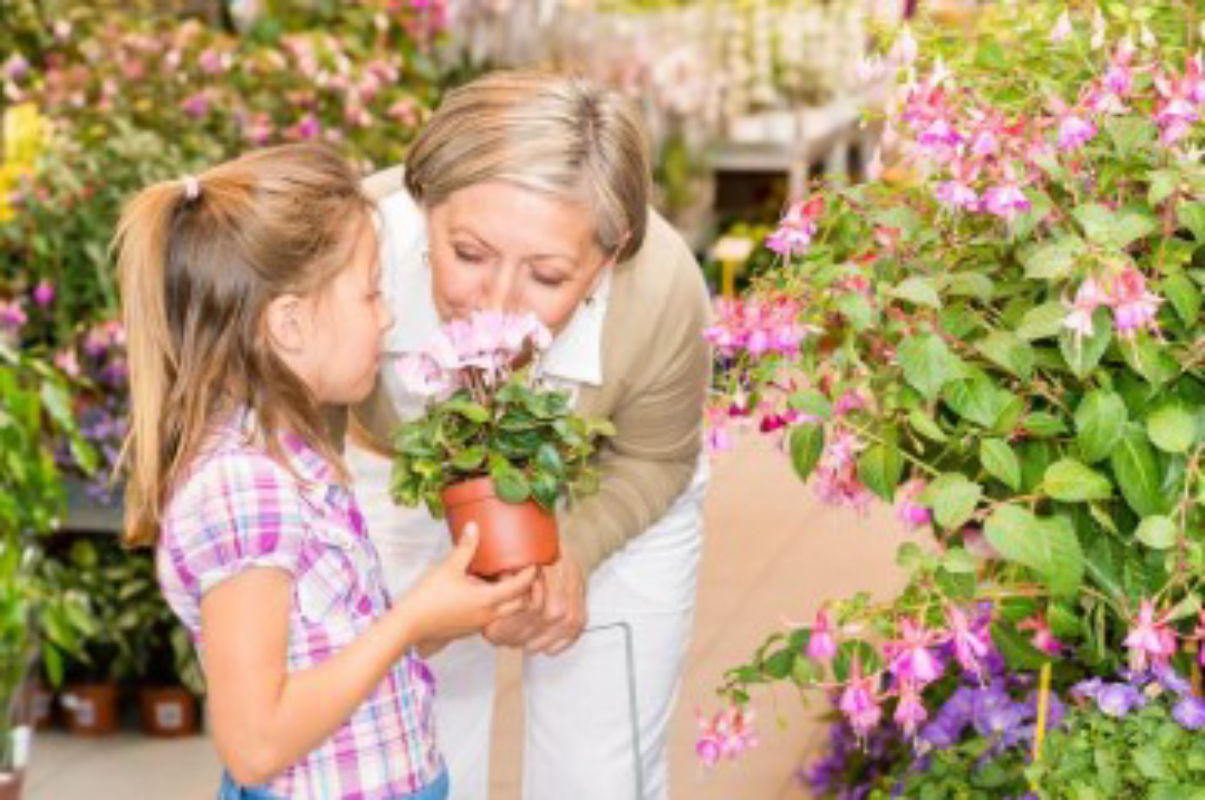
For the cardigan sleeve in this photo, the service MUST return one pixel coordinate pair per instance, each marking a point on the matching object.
(659, 425)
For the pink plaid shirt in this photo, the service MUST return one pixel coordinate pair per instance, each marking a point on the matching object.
(238, 509)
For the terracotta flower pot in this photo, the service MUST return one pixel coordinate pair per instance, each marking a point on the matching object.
(90, 709)
(511, 535)
(167, 711)
(10, 785)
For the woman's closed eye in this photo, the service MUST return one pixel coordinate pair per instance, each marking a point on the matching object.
(470, 256)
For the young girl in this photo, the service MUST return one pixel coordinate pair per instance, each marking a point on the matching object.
(250, 301)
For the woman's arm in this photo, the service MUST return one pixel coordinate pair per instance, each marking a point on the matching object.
(266, 718)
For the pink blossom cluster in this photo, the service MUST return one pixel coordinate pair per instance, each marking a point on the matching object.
(1134, 306)
(727, 734)
(482, 347)
(836, 478)
(757, 327)
(795, 230)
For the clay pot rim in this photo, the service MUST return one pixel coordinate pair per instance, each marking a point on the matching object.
(469, 491)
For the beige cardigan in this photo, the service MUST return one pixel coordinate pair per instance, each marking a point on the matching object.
(656, 372)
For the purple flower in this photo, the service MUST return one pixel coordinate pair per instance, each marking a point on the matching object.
(15, 67)
(1190, 713)
(1075, 132)
(211, 62)
(1119, 699)
(43, 293)
(196, 105)
(1171, 680)
(1006, 201)
(970, 642)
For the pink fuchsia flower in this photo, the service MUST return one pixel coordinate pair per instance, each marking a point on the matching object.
(910, 709)
(15, 67)
(797, 227)
(1175, 118)
(1062, 28)
(909, 656)
(836, 480)
(939, 139)
(1006, 201)
(211, 62)
(852, 400)
(1075, 132)
(907, 509)
(1088, 298)
(1134, 308)
(822, 644)
(12, 316)
(1042, 639)
(970, 641)
(306, 128)
(726, 735)
(859, 701)
(43, 293)
(1150, 639)
(956, 195)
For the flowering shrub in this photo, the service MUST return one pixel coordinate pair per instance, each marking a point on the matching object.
(1002, 339)
(487, 417)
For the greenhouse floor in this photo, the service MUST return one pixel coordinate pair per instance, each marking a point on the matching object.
(772, 552)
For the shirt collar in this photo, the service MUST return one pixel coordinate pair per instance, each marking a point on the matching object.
(576, 352)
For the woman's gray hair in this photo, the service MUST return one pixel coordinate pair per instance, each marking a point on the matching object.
(555, 134)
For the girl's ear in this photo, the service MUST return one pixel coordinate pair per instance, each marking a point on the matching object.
(288, 323)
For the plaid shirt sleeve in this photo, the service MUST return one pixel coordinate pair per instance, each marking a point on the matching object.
(250, 514)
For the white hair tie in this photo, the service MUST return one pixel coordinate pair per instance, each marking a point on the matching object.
(192, 188)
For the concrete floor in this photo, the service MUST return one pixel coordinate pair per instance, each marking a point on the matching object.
(772, 553)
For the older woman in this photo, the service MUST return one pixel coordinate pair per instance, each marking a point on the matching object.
(529, 192)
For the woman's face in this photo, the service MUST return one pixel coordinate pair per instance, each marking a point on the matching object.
(499, 247)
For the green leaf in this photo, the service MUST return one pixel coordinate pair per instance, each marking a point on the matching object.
(549, 460)
(473, 412)
(970, 284)
(807, 443)
(1001, 462)
(1137, 473)
(780, 664)
(1007, 350)
(1100, 422)
(1150, 359)
(960, 562)
(880, 469)
(1157, 532)
(1052, 260)
(1018, 653)
(811, 402)
(919, 291)
(1184, 296)
(1083, 354)
(1114, 229)
(1163, 183)
(1172, 428)
(510, 485)
(469, 459)
(1042, 322)
(1049, 546)
(856, 308)
(953, 499)
(1192, 216)
(977, 400)
(1130, 133)
(928, 363)
(1071, 481)
(1043, 425)
(926, 426)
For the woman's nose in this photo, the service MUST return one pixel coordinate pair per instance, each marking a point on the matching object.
(501, 293)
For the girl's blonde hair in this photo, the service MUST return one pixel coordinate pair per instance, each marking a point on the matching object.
(198, 262)
(554, 134)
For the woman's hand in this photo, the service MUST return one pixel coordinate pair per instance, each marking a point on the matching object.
(555, 616)
(448, 602)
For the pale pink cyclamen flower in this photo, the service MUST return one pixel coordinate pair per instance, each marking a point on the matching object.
(910, 709)
(907, 509)
(1061, 29)
(859, 701)
(1150, 639)
(797, 227)
(1043, 638)
(822, 644)
(909, 656)
(970, 641)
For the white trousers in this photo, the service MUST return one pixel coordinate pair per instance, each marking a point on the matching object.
(581, 737)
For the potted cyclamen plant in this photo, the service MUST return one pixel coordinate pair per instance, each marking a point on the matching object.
(496, 445)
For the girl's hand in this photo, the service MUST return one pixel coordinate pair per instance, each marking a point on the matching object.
(448, 602)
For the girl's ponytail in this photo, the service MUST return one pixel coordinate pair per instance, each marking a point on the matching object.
(143, 237)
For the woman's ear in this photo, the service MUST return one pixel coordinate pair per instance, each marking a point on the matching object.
(288, 324)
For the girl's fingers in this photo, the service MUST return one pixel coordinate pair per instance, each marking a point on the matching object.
(508, 607)
(513, 586)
